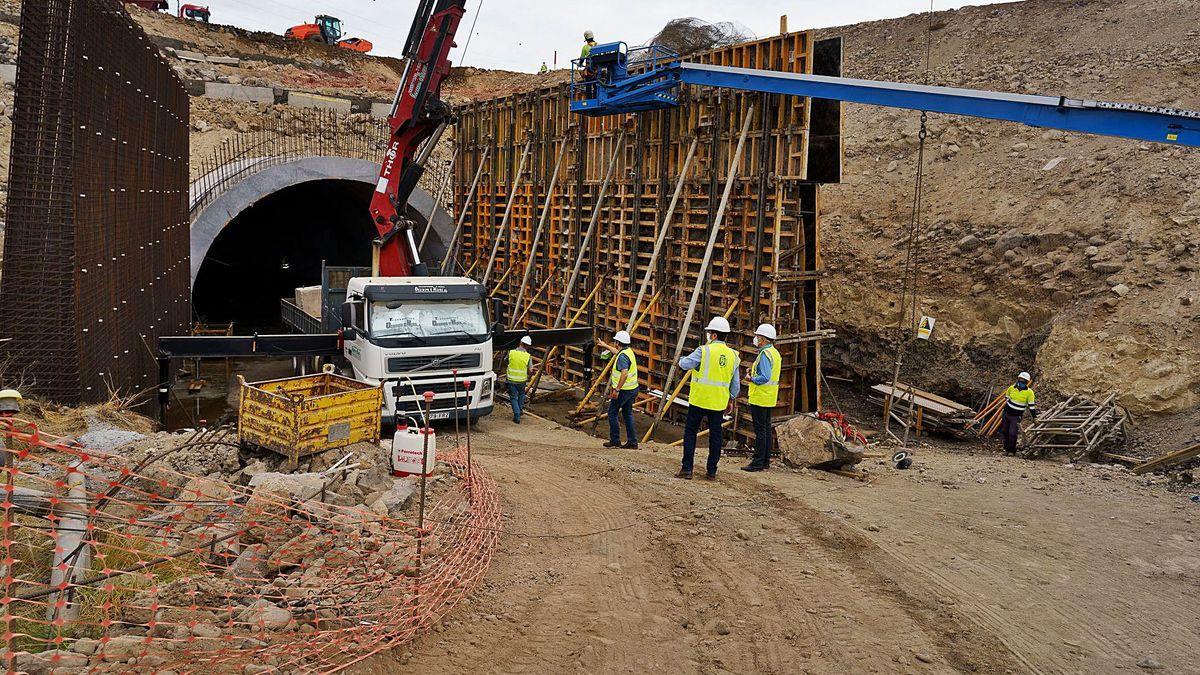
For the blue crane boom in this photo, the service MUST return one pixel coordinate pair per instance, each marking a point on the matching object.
(609, 88)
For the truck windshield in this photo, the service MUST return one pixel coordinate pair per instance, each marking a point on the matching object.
(428, 319)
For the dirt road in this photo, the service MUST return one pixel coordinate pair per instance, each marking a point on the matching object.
(977, 564)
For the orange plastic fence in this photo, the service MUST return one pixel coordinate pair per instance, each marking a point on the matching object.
(156, 570)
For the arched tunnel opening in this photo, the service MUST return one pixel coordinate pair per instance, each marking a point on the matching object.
(279, 244)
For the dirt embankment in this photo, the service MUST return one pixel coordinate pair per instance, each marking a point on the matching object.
(1069, 255)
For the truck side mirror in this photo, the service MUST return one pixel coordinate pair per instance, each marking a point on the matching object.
(498, 311)
(347, 314)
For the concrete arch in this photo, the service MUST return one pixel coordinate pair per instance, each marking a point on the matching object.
(272, 178)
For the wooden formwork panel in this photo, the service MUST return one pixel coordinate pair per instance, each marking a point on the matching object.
(767, 256)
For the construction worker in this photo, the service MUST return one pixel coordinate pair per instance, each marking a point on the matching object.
(589, 41)
(10, 402)
(622, 394)
(518, 376)
(1019, 399)
(764, 394)
(713, 387)
(545, 69)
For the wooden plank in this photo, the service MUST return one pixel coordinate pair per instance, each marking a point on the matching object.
(1168, 460)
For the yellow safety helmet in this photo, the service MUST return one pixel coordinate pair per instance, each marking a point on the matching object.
(10, 400)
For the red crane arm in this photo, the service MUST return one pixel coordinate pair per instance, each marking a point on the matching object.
(418, 116)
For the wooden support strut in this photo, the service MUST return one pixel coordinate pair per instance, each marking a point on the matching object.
(502, 231)
(587, 237)
(662, 234)
(549, 277)
(448, 263)
(541, 227)
(537, 376)
(633, 326)
(707, 261)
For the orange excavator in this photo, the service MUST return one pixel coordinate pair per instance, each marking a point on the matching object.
(327, 30)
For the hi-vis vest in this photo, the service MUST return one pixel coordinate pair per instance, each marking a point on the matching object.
(518, 365)
(1019, 400)
(630, 381)
(710, 383)
(767, 395)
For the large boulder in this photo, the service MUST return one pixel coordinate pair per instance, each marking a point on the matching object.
(807, 442)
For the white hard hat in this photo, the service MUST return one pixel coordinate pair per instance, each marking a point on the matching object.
(718, 324)
(526, 340)
(1024, 376)
(588, 35)
(622, 337)
(766, 330)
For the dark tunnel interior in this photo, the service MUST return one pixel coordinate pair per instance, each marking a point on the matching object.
(278, 244)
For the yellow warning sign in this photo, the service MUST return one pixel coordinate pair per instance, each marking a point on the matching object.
(926, 327)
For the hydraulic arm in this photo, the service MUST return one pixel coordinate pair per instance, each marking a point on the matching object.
(654, 84)
(417, 120)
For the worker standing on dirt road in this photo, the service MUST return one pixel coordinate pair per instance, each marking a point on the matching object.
(1019, 399)
(622, 393)
(518, 376)
(764, 394)
(715, 384)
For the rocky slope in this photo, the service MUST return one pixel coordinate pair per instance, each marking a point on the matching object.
(1071, 256)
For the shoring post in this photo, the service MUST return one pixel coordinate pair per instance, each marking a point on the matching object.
(662, 233)
(541, 227)
(537, 375)
(704, 265)
(502, 231)
(549, 277)
(587, 237)
(448, 263)
(633, 326)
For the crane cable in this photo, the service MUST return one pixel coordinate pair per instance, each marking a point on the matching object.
(478, 10)
(909, 306)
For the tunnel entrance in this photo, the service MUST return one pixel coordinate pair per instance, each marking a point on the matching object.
(278, 244)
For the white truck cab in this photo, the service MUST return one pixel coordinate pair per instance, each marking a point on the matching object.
(419, 334)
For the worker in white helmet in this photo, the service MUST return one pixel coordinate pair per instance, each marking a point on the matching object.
(1019, 399)
(518, 376)
(622, 393)
(585, 63)
(589, 41)
(714, 386)
(764, 394)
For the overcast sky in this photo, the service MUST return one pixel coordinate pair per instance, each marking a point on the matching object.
(520, 34)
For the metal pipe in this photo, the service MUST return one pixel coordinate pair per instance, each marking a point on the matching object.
(448, 263)
(502, 231)
(537, 235)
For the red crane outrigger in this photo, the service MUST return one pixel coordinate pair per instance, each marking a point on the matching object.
(418, 116)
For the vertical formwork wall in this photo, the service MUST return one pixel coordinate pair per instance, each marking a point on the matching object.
(767, 258)
(96, 247)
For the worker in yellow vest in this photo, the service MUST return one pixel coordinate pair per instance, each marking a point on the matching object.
(518, 376)
(715, 383)
(764, 394)
(1018, 399)
(622, 393)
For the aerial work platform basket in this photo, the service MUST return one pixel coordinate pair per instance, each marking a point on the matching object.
(301, 416)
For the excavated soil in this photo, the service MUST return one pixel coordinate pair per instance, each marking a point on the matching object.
(965, 563)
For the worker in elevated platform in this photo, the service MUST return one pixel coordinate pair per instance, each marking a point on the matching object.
(764, 394)
(1018, 399)
(518, 376)
(714, 386)
(622, 394)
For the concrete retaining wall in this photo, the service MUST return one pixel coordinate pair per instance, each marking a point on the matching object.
(237, 92)
(298, 99)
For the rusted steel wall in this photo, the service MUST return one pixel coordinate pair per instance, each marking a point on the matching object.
(767, 258)
(96, 248)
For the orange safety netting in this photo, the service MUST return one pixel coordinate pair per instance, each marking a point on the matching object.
(108, 568)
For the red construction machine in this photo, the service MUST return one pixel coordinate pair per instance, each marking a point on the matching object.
(194, 12)
(327, 30)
